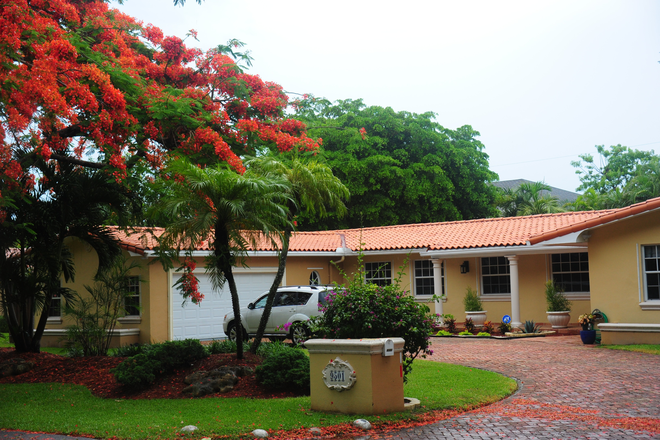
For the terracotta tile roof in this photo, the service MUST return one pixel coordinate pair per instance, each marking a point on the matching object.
(468, 234)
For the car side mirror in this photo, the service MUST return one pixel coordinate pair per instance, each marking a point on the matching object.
(251, 306)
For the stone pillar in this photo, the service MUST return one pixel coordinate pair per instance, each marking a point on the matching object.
(515, 291)
(437, 284)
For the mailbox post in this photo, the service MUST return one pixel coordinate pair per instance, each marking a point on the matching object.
(356, 376)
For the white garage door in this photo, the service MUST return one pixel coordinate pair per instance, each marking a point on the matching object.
(204, 321)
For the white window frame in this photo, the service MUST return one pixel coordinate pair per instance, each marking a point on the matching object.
(133, 282)
(647, 303)
(484, 276)
(431, 276)
(579, 295)
(379, 271)
(314, 278)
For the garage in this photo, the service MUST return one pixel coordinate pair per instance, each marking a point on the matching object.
(204, 321)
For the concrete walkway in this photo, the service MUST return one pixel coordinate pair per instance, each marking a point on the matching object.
(568, 391)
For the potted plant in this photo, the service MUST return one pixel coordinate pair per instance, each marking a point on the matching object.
(559, 307)
(473, 308)
(587, 334)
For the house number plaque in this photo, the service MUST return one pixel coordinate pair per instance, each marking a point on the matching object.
(338, 375)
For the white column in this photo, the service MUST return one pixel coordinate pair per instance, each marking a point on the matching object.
(437, 284)
(515, 291)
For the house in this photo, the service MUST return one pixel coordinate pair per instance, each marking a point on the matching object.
(607, 259)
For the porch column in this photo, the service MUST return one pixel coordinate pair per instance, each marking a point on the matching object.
(437, 284)
(515, 291)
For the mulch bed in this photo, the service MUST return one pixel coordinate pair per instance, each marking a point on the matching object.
(94, 373)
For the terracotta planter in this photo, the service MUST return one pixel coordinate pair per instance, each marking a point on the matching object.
(478, 318)
(559, 319)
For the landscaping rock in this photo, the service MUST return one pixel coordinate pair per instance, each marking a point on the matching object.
(221, 380)
(13, 367)
(362, 424)
(316, 432)
(189, 428)
(260, 433)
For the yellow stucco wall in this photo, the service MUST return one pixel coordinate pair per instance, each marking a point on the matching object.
(615, 261)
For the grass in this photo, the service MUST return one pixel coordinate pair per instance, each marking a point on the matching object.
(642, 348)
(72, 409)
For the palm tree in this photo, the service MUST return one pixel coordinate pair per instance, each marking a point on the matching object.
(230, 210)
(313, 191)
(68, 202)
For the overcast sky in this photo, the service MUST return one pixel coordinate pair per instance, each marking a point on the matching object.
(542, 81)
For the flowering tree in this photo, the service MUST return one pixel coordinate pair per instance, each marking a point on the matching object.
(87, 86)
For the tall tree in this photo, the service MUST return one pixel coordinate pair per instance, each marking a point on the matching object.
(527, 199)
(314, 191)
(67, 202)
(230, 211)
(613, 170)
(399, 167)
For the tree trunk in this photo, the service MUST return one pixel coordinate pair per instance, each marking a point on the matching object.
(224, 263)
(271, 293)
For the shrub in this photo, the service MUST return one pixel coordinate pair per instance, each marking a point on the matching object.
(471, 301)
(531, 327)
(554, 296)
(469, 325)
(450, 324)
(4, 325)
(465, 333)
(504, 327)
(137, 371)
(176, 354)
(267, 349)
(483, 334)
(224, 346)
(130, 350)
(365, 310)
(271, 373)
(488, 327)
(443, 333)
(141, 369)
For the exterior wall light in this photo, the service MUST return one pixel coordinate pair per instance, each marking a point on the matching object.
(465, 267)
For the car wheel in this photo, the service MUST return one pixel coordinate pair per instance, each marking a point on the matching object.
(299, 333)
(232, 333)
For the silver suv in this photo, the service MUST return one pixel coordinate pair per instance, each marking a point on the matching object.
(293, 305)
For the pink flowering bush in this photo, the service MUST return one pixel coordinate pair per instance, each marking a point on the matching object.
(365, 310)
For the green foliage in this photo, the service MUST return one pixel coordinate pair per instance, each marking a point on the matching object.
(365, 310)
(504, 327)
(527, 199)
(465, 333)
(138, 371)
(96, 315)
(469, 325)
(285, 368)
(531, 327)
(483, 334)
(471, 301)
(404, 167)
(443, 333)
(555, 298)
(4, 326)
(267, 349)
(141, 369)
(130, 350)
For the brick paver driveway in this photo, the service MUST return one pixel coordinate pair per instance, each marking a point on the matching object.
(568, 391)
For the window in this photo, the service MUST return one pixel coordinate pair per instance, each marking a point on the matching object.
(652, 272)
(424, 278)
(378, 273)
(571, 271)
(495, 275)
(314, 278)
(55, 310)
(132, 299)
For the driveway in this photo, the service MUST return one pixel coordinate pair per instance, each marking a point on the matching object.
(568, 391)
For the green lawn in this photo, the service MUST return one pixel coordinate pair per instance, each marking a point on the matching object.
(642, 348)
(67, 409)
